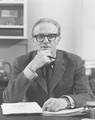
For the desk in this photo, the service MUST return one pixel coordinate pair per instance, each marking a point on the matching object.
(39, 117)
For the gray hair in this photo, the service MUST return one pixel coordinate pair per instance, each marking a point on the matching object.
(47, 20)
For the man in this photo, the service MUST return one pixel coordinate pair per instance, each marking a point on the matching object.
(53, 78)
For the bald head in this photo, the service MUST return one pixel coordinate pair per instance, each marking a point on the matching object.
(46, 26)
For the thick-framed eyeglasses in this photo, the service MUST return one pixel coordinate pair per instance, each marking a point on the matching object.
(50, 37)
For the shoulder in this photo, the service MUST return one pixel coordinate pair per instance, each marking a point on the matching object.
(71, 56)
(26, 57)
(23, 60)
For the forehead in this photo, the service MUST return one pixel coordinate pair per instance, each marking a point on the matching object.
(45, 28)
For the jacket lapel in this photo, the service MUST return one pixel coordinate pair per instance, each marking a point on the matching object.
(41, 80)
(58, 70)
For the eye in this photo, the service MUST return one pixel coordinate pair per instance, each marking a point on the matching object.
(39, 37)
(52, 36)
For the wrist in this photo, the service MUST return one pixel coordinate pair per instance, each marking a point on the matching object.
(30, 74)
(32, 67)
(70, 101)
(68, 104)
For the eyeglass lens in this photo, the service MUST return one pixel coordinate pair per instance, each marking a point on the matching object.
(41, 37)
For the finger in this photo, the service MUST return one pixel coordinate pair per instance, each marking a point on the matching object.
(51, 58)
(46, 52)
(59, 108)
(54, 107)
(44, 108)
(51, 107)
(47, 60)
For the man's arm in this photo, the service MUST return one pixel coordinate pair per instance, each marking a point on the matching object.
(17, 85)
(23, 76)
(81, 91)
(81, 87)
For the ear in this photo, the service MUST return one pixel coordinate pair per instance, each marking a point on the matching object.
(33, 39)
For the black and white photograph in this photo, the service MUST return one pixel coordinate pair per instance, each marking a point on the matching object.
(47, 61)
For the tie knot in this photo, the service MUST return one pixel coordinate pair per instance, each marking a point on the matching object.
(52, 64)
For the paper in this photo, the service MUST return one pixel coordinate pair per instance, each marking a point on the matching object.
(66, 112)
(21, 108)
(34, 108)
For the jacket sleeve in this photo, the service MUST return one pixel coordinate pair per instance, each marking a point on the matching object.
(81, 91)
(18, 84)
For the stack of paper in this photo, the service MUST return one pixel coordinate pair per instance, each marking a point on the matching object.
(21, 108)
(66, 112)
(34, 108)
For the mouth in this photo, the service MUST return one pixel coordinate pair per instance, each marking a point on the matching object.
(45, 47)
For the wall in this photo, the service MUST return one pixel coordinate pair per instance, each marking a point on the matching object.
(77, 20)
(66, 12)
(35, 11)
(87, 46)
(10, 49)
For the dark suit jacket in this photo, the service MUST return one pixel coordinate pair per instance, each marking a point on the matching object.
(68, 79)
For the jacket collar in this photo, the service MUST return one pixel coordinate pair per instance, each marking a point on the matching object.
(59, 69)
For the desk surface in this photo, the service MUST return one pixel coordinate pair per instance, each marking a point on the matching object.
(38, 117)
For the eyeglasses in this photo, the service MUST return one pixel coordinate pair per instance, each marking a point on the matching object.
(50, 37)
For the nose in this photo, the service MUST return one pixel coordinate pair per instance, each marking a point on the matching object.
(46, 40)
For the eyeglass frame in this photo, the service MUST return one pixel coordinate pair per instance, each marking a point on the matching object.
(54, 36)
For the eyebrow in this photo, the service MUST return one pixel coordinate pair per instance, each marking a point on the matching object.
(46, 34)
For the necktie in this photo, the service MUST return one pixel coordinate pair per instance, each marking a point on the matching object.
(48, 74)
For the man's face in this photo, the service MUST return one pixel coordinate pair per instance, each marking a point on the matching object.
(47, 36)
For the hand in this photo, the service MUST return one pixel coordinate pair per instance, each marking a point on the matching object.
(55, 104)
(40, 60)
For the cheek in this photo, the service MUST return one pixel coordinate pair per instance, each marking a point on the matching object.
(54, 44)
(53, 48)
